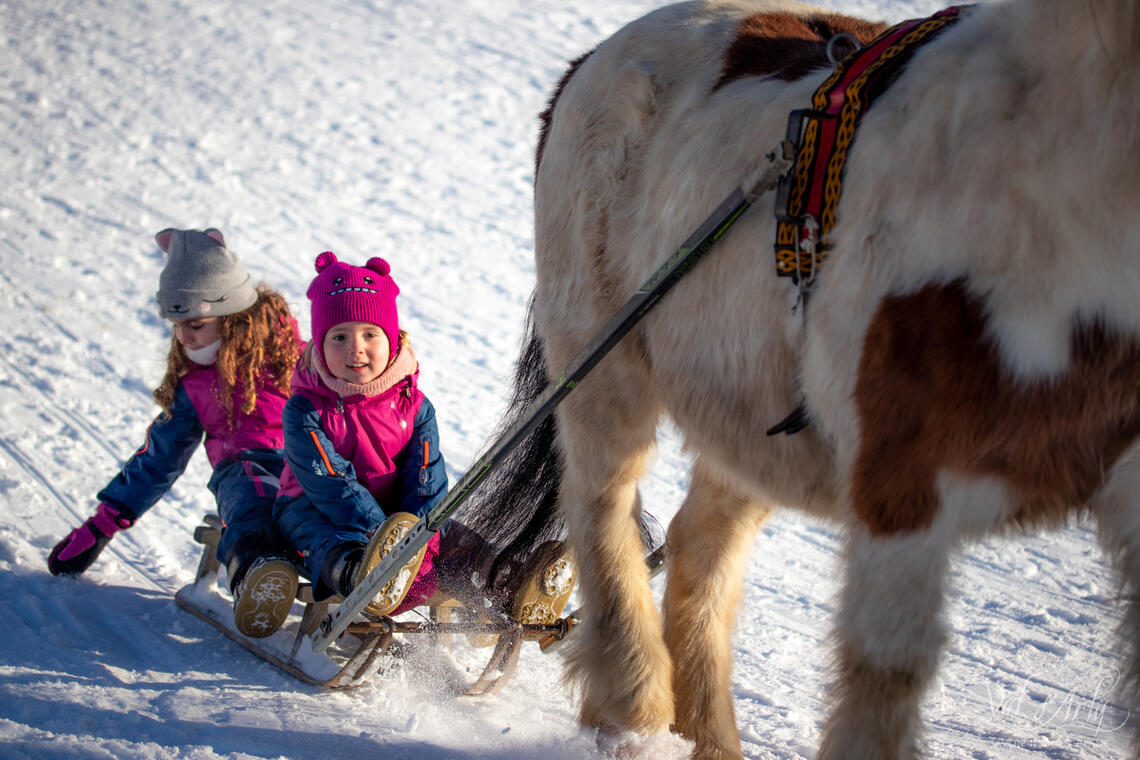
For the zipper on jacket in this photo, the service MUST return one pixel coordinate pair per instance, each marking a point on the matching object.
(340, 406)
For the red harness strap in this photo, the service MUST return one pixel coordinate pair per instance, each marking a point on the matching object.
(809, 194)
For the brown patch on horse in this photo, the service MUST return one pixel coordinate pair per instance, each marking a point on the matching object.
(932, 394)
(547, 115)
(786, 46)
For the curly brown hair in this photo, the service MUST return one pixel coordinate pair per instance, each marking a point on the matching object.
(258, 341)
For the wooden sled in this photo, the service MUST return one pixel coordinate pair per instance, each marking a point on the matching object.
(367, 644)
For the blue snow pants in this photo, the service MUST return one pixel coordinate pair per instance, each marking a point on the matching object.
(245, 486)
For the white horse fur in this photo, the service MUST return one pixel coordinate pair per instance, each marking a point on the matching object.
(969, 357)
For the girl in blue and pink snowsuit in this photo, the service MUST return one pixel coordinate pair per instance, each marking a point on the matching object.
(230, 364)
(363, 461)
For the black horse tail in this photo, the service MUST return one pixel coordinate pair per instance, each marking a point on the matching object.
(514, 510)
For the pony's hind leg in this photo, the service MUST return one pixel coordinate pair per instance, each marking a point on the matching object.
(889, 634)
(607, 430)
(1117, 509)
(709, 542)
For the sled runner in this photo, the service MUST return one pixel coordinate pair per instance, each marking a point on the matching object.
(367, 644)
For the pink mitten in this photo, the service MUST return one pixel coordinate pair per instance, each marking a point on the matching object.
(78, 550)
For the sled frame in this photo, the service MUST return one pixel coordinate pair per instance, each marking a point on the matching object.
(358, 663)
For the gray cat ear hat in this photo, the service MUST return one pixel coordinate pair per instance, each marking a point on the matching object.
(202, 277)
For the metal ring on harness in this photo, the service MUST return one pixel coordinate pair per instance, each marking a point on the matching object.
(844, 37)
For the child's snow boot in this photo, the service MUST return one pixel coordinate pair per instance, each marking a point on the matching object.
(390, 532)
(341, 566)
(545, 583)
(264, 595)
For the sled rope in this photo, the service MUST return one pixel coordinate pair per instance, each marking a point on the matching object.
(809, 194)
(643, 300)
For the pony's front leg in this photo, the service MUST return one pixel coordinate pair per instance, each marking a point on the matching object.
(889, 634)
(709, 542)
(1117, 509)
(607, 429)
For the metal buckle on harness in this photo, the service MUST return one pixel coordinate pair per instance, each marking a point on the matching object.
(808, 244)
(790, 146)
(843, 38)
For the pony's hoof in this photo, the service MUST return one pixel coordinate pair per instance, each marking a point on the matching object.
(627, 745)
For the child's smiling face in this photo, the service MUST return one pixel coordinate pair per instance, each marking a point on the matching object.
(356, 352)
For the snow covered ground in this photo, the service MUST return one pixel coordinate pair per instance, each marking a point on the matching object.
(403, 129)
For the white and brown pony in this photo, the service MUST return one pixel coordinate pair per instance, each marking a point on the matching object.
(968, 359)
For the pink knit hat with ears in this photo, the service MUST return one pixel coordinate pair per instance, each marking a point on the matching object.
(343, 293)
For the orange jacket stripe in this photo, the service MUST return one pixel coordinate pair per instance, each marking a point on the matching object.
(324, 456)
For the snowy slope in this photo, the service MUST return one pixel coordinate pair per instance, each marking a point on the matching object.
(403, 129)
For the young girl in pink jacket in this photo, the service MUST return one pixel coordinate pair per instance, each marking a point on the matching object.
(230, 363)
(363, 461)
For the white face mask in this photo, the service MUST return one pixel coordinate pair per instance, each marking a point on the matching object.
(206, 355)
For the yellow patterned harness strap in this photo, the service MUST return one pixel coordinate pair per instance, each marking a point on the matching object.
(809, 194)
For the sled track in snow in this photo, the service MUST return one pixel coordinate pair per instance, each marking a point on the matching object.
(25, 463)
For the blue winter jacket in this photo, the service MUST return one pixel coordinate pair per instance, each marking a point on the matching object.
(173, 438)
(329, 482)
(352, 461)
(151, 471)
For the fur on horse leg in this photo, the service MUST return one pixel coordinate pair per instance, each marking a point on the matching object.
(618, 655)
(709, 542)
(889, 636)
(1117, 508)
(607, 430)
